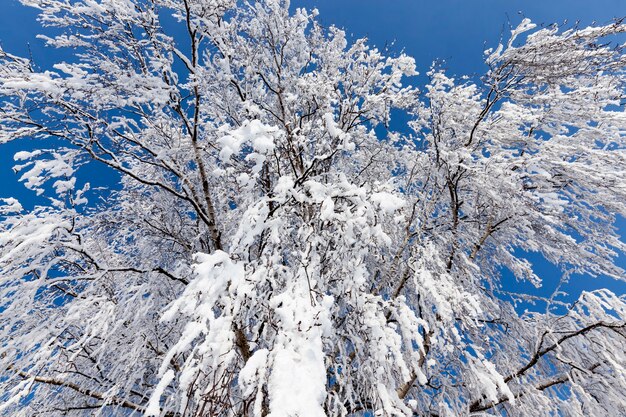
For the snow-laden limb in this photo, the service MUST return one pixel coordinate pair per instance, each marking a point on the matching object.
(267, 253)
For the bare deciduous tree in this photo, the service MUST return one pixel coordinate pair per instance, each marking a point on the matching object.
(275, 248)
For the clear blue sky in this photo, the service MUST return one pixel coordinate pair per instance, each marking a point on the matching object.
(456, 31)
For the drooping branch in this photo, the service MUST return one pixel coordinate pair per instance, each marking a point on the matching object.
(542, 352)
(113, 400)
(477, 406)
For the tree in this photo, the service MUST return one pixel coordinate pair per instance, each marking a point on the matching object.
(275, 247)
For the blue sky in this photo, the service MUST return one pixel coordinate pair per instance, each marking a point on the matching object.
(456, 31)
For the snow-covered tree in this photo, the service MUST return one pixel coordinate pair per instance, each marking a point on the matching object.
(276, 245)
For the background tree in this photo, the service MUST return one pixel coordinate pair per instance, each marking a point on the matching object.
(275, 248)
